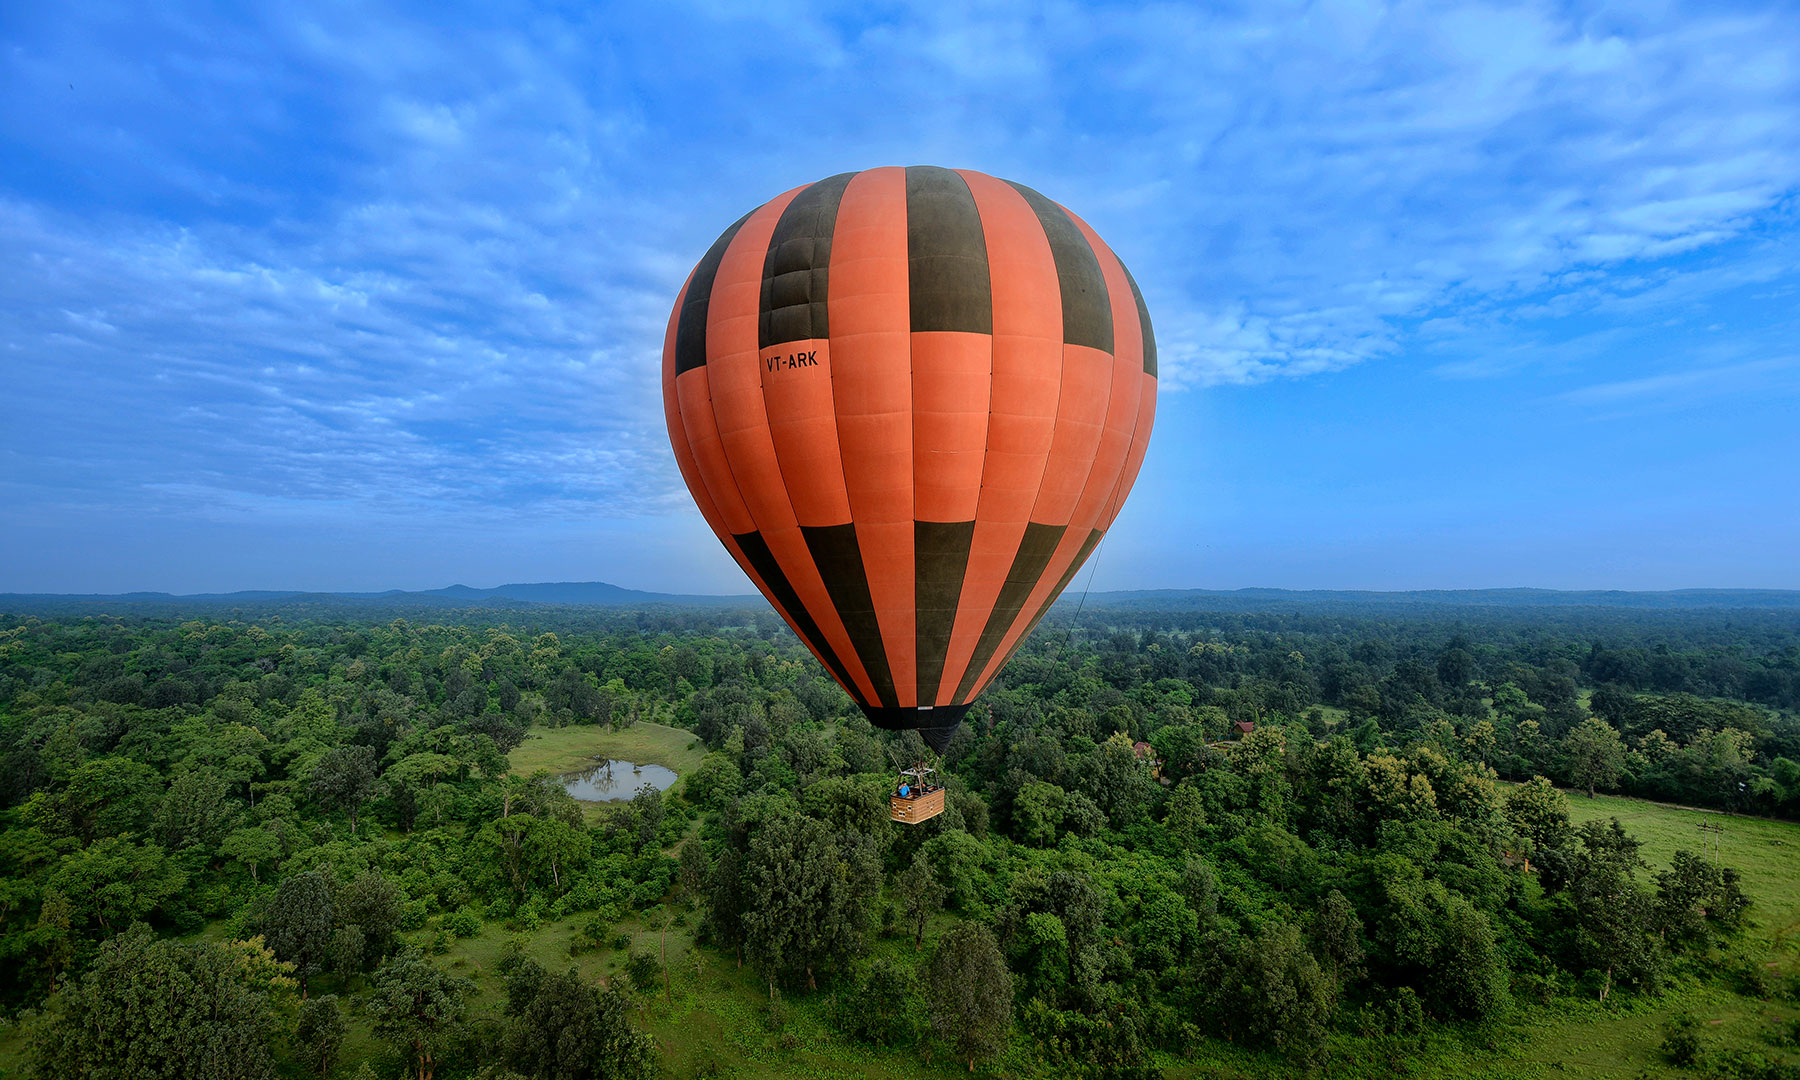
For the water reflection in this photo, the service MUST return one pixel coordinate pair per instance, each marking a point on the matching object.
(615, 780)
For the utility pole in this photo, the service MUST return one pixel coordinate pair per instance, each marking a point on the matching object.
(1716, 831)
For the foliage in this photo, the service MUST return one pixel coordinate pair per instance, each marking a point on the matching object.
(970, 991)
(1150, 876)
(563, 1029)
(807, 898)
(418, 1009)
(319, 1033)
(298, 923)
(148, 1007)
(880, 1006)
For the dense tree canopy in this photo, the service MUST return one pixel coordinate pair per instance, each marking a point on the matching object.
(1162, 827)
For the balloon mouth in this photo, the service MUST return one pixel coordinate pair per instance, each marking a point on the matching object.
(934, 723)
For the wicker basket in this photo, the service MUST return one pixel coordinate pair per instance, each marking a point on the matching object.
(916, 808)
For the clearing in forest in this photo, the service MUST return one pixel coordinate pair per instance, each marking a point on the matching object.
(567, 749)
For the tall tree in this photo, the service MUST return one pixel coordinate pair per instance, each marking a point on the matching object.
(371, 903)
(564, 1029)
(1695, 899)
(806, 904)
(1468, 977)
(417, 1009)
(149, 1008)
(1596, 756)
(1539, 814)
(647, 811)
(921, 896)
(344, 779)
(298, 923)
(195, 811)
(727, 897)
(693, 870)
(319, 1033)
(252, 847)
(1613, 915)
(971, 992)
(1269, 990)
(1337, 935)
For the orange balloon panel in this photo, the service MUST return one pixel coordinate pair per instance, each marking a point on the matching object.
(910, 402)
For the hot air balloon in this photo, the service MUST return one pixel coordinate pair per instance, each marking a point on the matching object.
(910, 402)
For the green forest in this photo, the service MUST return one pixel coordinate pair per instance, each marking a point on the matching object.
(329, 841)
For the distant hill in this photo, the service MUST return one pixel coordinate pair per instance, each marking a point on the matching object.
(1325, 599)
(600, 594)
(538, 594)
(590, 593)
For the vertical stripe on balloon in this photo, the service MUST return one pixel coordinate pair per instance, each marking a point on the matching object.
(941, 554)
(839, 559)
(1087, 312)
(1028, 566)
(690, 331)
(1081, 556)
(734, 369)
(783, 594)
(871, 389)
(1025, 382)
(1143, 323)
(797, 267)
(945, 254)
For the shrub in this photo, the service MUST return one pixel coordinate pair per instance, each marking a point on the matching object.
(880, 1007)
(775, 1015)
(643, 970)
(1754, 977)
(1681, 1041)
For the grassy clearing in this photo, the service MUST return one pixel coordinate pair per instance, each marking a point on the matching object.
(717, 1019)
(711, 1017)
(1619, 1041)
(1622, 1040)
(1766, 852)
(567, 749)
(1337, 721)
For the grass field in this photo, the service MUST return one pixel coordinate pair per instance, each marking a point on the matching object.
(713, 1018)
(1766, 852)
(567, 749)
(1337, 721)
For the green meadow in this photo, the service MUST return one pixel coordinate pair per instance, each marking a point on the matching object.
(566, 749)
(1766, 852)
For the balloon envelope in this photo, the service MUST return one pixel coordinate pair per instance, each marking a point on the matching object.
(910, 402)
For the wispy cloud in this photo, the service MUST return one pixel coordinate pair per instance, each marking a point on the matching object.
(1690, 385)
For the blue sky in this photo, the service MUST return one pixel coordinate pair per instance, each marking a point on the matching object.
(359, 296)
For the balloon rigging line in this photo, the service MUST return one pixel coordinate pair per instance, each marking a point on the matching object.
(1093, 569)
(1112, 502)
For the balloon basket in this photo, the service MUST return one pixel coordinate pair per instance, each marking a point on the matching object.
(918, 807)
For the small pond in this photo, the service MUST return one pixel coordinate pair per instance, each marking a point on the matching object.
(605, 780)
